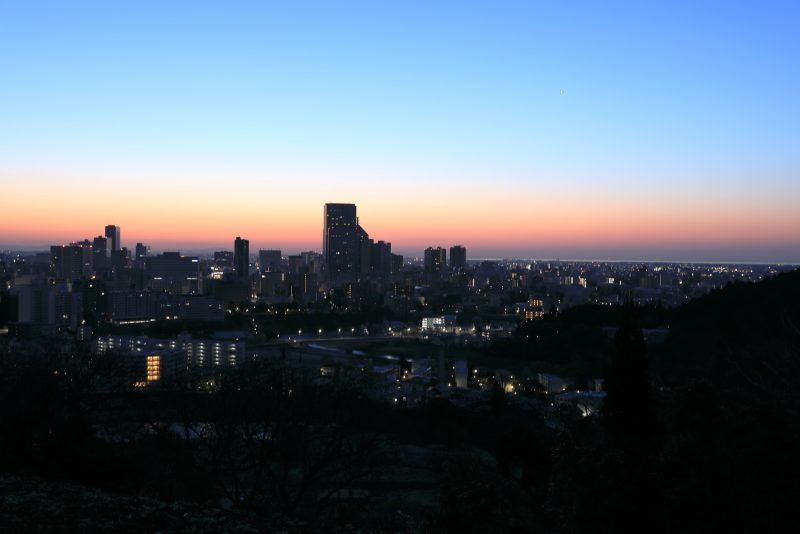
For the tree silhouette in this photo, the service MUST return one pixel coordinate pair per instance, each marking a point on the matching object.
(628, 405)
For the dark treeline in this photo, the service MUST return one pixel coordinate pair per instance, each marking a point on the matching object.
(699, 433)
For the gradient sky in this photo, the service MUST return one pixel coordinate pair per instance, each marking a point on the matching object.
(593, 129)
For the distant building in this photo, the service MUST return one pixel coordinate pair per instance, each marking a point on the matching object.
(113, 235)
(296, 264)
(223, 258)
(397, 263)
(274, 286)
(441, 323)
(381, 258)
(347, 250)
(199, 308)
(100, 253)
(119, 260)
(231, 293)
(458, 257)
(73, 261)
(48, 304)
(312, 262)
(340, 246)
(176, 274)
(141, 252)
(534, 309)
(435, 259)
(269, 260)
(137, 306)
(200, 353)
(241, 258)
(67, 261)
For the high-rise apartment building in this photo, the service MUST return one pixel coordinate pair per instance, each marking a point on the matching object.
(241, 258)
(381, 258)
(174, 273)
(435, 259)
(69, 261)
(397, 263)
(340, 240)
(100, 251)
(347, 250)
(223, 258)
(113, 235)
(458, 257)
(119, 259)
(141, 252)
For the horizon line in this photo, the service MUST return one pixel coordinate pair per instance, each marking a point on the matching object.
(6, 249)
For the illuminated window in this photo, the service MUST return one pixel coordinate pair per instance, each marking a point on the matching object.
(153, 368)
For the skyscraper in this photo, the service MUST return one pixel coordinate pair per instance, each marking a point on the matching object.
(67, 261)
(340, 240)
(100, 250)
(435, 259)
(458, 257)
(381, 258)
(119, 260)
(141, 252)
(113, 234)
(241, 258)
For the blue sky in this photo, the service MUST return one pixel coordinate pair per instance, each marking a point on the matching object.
(639, 97)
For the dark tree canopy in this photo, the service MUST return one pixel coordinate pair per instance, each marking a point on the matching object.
(628, 403)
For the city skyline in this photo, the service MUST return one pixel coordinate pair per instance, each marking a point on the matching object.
(718, 255)
(528, 130)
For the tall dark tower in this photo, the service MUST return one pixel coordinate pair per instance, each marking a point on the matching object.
(435, 259)
(113, 235)
(341, 249)
(100, 253)
(458, 257)
(241, 258)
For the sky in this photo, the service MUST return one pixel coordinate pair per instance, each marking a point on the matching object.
(537, 129)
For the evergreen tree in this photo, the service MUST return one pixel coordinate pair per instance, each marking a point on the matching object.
(628, 405)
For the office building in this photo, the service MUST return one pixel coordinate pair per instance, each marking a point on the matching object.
(199, 308)
(176, 274)
(274, 286)
(397, 263)
(141, 252)
(72, 262)
(119, 259)
(137, 306)
(381, 258)
(241, 258)
(435, 259)
(458, 257)
(100, 253)
(48, 304)
(113, 235)
(340, 247)
(269, 260)
(223, 258)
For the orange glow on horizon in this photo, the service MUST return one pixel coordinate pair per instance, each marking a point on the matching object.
(181, 214)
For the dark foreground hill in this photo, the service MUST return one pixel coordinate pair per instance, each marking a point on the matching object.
(743, 335)
(709, 443)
